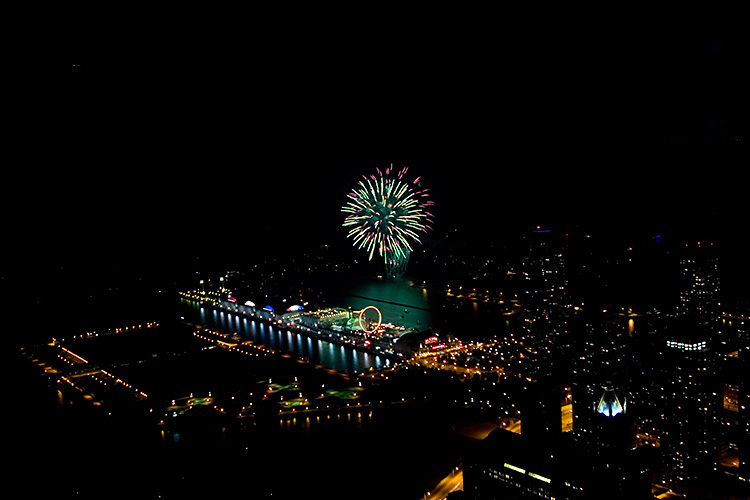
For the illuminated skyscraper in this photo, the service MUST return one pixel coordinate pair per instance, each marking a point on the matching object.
(699, 287)
(609, 405)
(691, 400)
(542, 284)
(744, 407)
(542, 270)
(599, 360)
(691, 395)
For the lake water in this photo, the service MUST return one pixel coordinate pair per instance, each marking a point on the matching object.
(402, 302)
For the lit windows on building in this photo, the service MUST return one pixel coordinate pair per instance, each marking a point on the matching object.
(700, 284)
(696, 346)
(517, 479)
(692, 398)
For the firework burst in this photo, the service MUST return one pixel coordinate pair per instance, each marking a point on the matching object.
(386, 213)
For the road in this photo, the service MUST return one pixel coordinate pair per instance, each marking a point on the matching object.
(514, 427)
(567, 418)
(431, 362)
(450, 483)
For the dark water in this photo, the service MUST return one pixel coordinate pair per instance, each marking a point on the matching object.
(415, 304)
(402, 302)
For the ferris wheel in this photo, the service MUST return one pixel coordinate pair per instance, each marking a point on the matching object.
(368, 323)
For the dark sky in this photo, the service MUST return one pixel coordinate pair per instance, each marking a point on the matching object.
(267, 119)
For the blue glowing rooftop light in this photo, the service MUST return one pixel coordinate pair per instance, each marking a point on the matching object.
(541, 231)
(609, 405)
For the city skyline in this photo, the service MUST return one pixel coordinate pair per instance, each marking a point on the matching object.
(497, 201)
(205, 295)
(612, 297)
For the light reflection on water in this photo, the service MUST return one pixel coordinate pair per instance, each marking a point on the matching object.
(353, 419)
(400, 301)
(340, 358)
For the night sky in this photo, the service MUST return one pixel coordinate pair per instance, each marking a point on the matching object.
(174, 130)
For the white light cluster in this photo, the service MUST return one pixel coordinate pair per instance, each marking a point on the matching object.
(523, 471)
(687, 347)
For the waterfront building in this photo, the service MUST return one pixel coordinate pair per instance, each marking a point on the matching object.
(329, 318)
(423, 343)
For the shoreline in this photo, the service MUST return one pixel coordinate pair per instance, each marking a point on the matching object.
(275, 320)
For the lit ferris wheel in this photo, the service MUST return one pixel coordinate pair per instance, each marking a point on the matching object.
(370, 319)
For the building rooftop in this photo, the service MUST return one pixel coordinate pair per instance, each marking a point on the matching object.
(609, 405)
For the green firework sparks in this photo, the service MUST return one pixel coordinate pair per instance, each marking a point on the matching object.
(386, 213)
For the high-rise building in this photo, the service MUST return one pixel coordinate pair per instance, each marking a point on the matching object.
(598, 360)
(505, 465)
(542, 284)
(691, 392)
(700, 285)
(542, 271)
(508, 466)
(744, 406)
(690, 400)
(541, 402)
